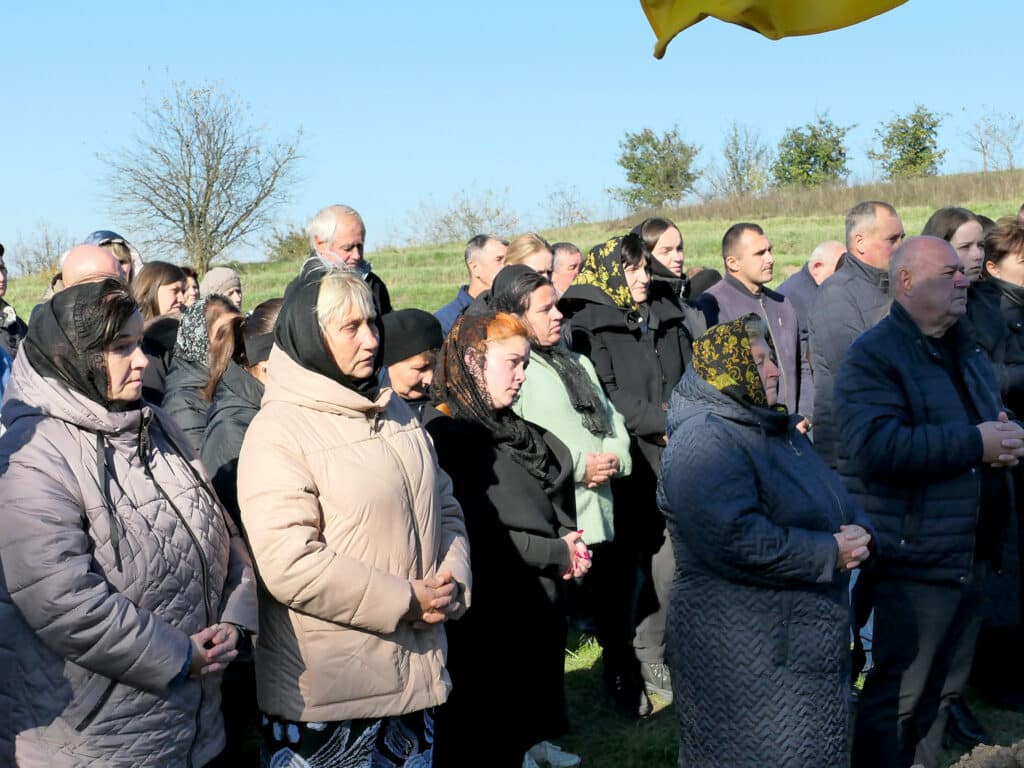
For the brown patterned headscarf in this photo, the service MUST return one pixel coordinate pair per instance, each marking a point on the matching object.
(603, 270)
(723, 358)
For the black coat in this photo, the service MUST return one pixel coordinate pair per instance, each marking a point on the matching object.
(638, 365)
(758, 634)
(517, 615)
(235, 403)
(849, 302)
(995, 311)
(910, 453)
(158, 344)
(12, 332)
(183, 400)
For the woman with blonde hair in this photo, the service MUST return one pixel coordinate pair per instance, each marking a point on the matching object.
(532, 250)
(359, 544)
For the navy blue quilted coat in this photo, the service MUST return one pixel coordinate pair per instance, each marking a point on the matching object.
(758, 633)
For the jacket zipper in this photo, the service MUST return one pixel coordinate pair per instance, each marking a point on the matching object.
(144, 453)
(408, 495)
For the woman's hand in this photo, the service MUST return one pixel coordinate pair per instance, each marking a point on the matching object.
(853, 547)
(432, 599)
(213, 649)
(601, 467)
(579, 555)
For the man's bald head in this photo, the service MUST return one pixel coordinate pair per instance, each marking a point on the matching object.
(89, 264)
(927, 279)
(823, 260)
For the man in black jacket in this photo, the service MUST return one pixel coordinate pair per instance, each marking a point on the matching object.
(923, 440)
(337, 237)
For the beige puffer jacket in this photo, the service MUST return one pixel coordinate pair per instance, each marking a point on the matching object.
(91, 634)
(343, 504)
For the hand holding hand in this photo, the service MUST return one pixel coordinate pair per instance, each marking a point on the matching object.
(852, 541)
(430, 598)
(601, 467)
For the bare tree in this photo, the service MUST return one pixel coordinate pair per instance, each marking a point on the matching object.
(746, 165)
(564, 207)
(1006, 135)
(40, 251)
(200, 177)
(995, 132)
(468, 213)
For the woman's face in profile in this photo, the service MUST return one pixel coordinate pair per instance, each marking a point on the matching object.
(126, 362)
(170, 296)
(766, 369)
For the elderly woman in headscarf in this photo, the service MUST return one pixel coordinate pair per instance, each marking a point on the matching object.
(359, 544)
(212, 322)
(639, 345)
(758, 624)
(515, 483)
(125, 584)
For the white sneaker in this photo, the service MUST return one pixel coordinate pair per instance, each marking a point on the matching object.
(549, 754)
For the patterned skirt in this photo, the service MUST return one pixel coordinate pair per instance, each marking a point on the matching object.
(402, 741)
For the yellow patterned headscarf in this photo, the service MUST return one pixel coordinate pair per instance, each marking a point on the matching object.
(603, 270)
(723, 358)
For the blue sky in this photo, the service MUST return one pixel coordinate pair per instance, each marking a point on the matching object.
(402, 103)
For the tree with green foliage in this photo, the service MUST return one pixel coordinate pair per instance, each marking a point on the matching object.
(812, 154)
(659, 168)
(909, 145)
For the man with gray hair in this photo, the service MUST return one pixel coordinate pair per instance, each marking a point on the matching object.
(924, 448)
(801, 287)
(854, 299)
(337, 237)
(485, 256)
(566, 265)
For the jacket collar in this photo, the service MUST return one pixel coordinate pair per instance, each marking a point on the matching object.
(289, 382)
(874, 275)
(737, 285)
(693, 392)
(962, 337)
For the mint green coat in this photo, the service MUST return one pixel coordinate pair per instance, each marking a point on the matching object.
(544, 400)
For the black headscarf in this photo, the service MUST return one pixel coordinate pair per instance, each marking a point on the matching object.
(297, 332)
(66, 339)
(461, 389)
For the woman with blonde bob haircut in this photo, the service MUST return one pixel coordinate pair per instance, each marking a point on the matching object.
(359, 544)
(532, 250)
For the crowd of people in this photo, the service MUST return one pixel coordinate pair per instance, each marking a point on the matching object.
(350, 533)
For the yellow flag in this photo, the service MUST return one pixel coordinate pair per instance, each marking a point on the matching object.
(772, 18)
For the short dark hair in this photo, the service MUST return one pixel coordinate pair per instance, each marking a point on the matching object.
(946, 221)
(116, 307)
(564, 247)
(734, 233)
(189, 272)
(515, 295)
(1006, 238)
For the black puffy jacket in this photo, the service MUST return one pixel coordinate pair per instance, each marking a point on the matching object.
(183, 400)
(235, 403)
(910, 454)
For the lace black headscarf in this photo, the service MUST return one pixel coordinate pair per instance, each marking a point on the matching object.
(69, 333)
(459, 386)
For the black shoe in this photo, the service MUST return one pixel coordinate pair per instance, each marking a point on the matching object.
(657, 680)
(626, 687)
(963, 727)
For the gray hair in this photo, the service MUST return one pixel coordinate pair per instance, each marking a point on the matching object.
(818, 254)
(324, 223)
(341, 291)
(477, 243)
(863, 215)
(563, 249)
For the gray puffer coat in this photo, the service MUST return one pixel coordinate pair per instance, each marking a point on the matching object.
(94, 627)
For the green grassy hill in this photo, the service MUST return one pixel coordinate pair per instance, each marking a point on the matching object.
(795, 221)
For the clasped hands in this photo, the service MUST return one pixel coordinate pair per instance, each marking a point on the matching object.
(213, 649)
(601, 467)
(579, 555)
(1002, 442)
(853, 542)
(434, 599)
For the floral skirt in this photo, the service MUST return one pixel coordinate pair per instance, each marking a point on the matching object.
(402, 741)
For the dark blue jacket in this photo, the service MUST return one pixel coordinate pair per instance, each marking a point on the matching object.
(849, 302)
(801, 290)
(910, 454)
(452, 311)
(758, 623)
(729, 299)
